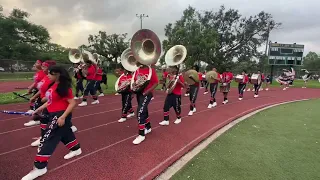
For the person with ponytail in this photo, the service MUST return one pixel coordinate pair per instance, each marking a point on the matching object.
(60, 103)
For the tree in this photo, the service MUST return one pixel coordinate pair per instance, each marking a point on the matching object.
(311, 61)
(109, 46)
(19, 38)
(220, 37)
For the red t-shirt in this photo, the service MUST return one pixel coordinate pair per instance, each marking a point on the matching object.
(98, 76)
(55, 102)
(78, 75)
(38, 76)
(177, 90)
(43, 86)
(228, 77)
(262, 77)
(91, 72)
(245, 79)
(145, 72)
(165, 75)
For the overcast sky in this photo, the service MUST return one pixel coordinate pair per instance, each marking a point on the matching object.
(71, 21)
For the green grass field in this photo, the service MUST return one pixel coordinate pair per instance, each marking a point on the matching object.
(17, 76)
(281, 143)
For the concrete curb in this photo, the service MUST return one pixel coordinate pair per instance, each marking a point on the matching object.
(175, 167)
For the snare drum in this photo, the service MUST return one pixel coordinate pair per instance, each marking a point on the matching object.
(224, 87)
(239, 78)
(255, 78)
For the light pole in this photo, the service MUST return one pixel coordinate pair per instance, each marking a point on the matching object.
(141, 16)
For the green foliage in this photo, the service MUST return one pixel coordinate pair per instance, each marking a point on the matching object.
(311, 61)
(219, 37)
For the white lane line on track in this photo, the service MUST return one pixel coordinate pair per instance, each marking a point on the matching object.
(123, 140)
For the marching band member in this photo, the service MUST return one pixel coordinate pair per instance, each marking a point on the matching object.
(164, 79)
(126, 97)
(144, 99)
(306, 77)
(250, 85)
(213, 90)
(98, 79)
(268, 81)
(194, 89)
(205, 83)
(173, 98)
(39, 75)
(226, 81)
(90, 86)
(79, 80)
(258, 85)
(60, 104)
(242, 85)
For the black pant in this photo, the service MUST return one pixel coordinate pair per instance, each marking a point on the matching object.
(90, 88)
(256, 88)
(36, 105)
(79, 86)
(241, 88)
(32, 105)
(45, 118)
(142, 112)
(213, 91)
(164, 85)
(172, 100)
(188, 90)
(97, 86)
(193, 96)
(126, 104)
(53, 135)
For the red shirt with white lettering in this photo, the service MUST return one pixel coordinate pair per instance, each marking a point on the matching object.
(245, 79)
(38, 76)
(145, 72)
(91, 72)
(98, 76)
(177, 90)
(227, 76)
(43, 86)
(55, 102)
(262, 77)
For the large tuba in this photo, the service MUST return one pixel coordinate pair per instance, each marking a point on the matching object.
(174, 57)
(129, 63)
(146, 49)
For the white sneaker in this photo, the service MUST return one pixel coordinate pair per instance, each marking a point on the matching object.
(32, 123)
(130, 115)
(83, 103)
(30, 111)
(177, 121)
(248, 90)
(36, 143)
(152, 98)
(225, 102)
(240, 99)
(72, 154)
(101, 94)
(75, 98)
(95, 102)
(35, 173)
(206, 92)
(194, 110)
(190, 113)
(139, 139)
(147, 131)
(164, 123)
(209, 106)
(284, 89)
(117, 94)
(214, 104)
(255, 96)
(186, 95)
(267, 89)
(81, 97)
(121, 120)
(74, 129)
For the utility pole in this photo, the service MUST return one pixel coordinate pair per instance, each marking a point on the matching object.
(141, 16)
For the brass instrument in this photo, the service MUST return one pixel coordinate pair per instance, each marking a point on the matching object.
(256, 78)
(212, 76)
(239, 78)
(146, 49)
(81, 56)
(129, 63)
(175, 56)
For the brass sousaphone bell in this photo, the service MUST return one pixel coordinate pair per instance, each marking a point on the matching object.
(212, 76)
(175, 56)
(146, 49)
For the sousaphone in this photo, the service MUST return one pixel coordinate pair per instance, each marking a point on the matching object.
(146, 49)
(212, 76)
(129, 63)
(174, 57)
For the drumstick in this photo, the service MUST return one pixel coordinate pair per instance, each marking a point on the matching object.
(19, 95)
(14, 112)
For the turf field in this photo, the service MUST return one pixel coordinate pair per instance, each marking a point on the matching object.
(279, 143)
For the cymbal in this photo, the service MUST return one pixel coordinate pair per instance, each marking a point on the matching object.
(191, 77)
(212, 76)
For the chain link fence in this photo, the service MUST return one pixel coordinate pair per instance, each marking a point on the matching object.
(9, 65)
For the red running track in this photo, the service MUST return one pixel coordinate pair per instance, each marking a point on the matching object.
(108, 152)
(10, 86)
